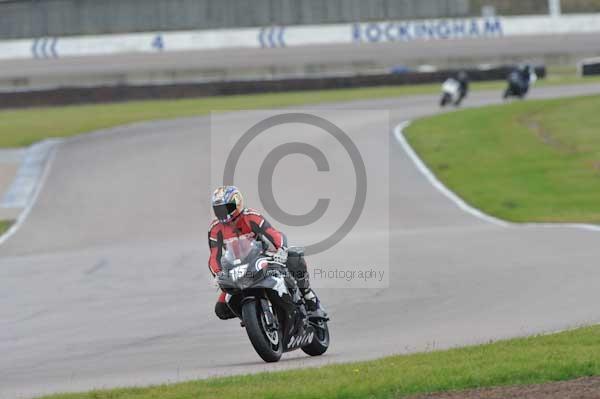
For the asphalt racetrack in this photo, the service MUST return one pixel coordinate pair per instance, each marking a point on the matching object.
(106, 284)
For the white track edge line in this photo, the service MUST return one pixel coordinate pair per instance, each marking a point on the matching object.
(25, 212)
(459, 202)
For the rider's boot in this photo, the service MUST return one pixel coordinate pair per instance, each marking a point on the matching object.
(312, 301)
(297, 266)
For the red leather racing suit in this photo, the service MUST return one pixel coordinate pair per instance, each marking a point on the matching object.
(249, 222)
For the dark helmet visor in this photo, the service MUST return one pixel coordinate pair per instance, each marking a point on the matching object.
(223, 212)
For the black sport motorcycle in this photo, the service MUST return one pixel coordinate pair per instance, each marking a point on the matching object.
(265, 296)
(519, 81)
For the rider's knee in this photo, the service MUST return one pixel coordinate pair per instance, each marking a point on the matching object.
(296, 265)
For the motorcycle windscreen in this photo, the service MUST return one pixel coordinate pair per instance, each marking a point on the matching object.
(240, 249)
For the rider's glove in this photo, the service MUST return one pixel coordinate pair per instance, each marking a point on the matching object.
(280, 256)
(215, 281)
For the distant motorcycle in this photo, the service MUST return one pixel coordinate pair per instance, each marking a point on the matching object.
(453, 92)
(519, 81)
(267, 299)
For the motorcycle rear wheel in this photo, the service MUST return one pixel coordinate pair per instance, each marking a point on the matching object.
(263, 341)
(320, 342)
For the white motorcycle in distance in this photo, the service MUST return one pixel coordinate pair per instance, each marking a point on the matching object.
(451, 93)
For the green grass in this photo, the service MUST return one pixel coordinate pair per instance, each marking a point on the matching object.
(562, 356)
(22, 127)
(5, 225)
(527, 161)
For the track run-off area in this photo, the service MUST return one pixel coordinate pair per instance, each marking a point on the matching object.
(105, 283)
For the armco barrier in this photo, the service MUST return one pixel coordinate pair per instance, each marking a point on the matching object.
(86, 95)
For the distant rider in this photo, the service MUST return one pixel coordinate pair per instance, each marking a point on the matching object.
(232, 221)
(463, 81)
(528, 74)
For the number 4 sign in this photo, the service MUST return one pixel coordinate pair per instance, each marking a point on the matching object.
(158, 43)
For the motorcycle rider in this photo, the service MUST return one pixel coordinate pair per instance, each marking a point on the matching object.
(527, 72)
(463, 80)
(234, 220)
(519, 81)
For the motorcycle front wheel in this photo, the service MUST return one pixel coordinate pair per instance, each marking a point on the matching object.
(266, 341)
(445, 99)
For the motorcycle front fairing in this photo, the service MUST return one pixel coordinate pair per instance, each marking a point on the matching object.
(244, 265)
(451, 86)
(245, 268)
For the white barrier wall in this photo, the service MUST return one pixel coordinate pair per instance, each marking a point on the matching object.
(279, 36)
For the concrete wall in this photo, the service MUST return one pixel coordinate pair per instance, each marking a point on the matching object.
(299, 35)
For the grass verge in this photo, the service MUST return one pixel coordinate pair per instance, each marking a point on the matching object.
(23, 127)
(533, 161)
(531, 360)
(5, 225)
